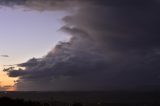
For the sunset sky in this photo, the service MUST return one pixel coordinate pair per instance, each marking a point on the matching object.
(27, 34)
(79, 45)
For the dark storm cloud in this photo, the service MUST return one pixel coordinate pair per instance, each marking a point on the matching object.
(40, 4)
(12, 2)
(61, 4)
(16, 73)
(115, 44)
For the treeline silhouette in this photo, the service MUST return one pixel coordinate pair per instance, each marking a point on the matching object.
(6, 101)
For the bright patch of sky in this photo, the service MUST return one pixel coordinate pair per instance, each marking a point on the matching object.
(27, 34)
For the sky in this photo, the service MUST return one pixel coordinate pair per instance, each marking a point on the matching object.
(20, 29)
(104, 45)
(27, 34)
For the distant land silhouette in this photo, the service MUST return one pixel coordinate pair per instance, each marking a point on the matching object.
(112, 98)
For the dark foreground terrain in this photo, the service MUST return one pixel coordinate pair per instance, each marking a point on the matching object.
(80, 98)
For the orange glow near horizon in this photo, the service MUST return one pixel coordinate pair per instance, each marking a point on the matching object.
(5, 80)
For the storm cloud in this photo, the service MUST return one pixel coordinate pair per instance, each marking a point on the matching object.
(39, 5)
(115, 44)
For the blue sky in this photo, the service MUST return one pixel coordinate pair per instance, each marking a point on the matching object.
(27, 34)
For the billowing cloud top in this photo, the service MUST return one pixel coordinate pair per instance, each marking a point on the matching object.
(115, 44)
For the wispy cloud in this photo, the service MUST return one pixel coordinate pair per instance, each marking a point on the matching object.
(4, 56)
